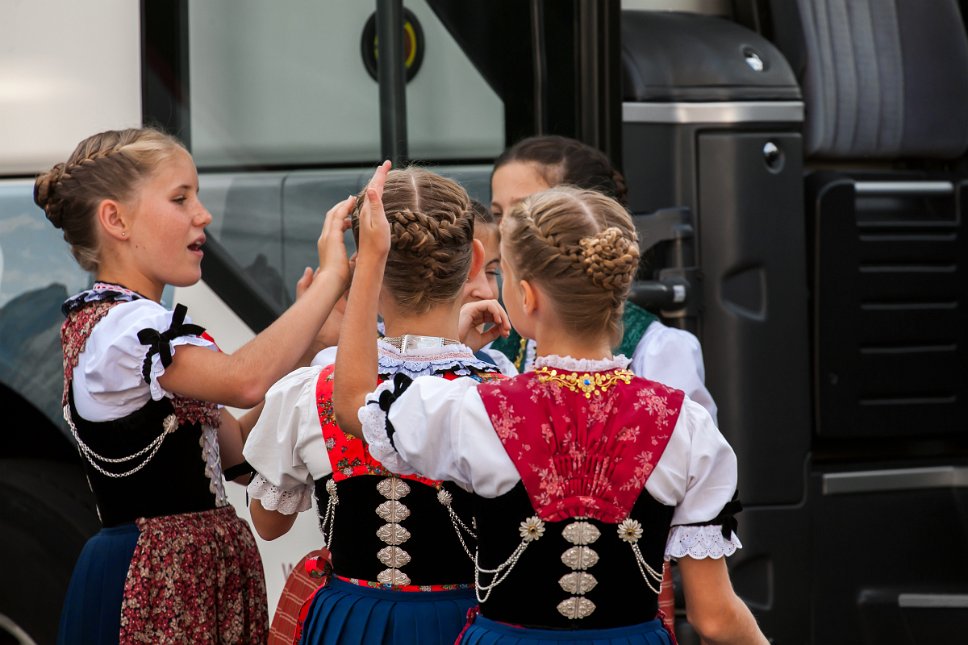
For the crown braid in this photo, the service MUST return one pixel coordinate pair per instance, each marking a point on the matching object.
(107, 165)
(582, 248)
(431, 231)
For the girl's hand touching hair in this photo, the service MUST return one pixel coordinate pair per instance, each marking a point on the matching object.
(374, 227)
(332, 251)
(475, 316)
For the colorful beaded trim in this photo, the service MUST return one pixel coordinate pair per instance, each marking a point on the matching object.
(588, 383)
(410, 588)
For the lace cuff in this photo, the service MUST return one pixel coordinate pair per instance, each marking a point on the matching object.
(699, 542)
(278, 499)
(377, 429)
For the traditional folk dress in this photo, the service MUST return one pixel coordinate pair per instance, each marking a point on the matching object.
(659, 353)
(585, 478)
(173, 562)
(400, 545)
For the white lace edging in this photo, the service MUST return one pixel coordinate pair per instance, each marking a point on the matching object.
(273, 498)
(213, 464)
(425, 362)
(374, 421)
(582, 364)
(700, 542)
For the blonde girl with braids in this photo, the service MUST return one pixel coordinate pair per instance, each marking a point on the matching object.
(395, 565)
(143, 394)
(658, 352)
(584, 476)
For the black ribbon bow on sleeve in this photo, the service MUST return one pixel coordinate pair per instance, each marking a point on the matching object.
(400, 384)
(160, 343)
(726, 517)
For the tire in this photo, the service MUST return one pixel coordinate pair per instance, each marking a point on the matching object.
(47, 512)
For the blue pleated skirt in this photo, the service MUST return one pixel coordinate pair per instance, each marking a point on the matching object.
(343, 613)
(488, 632)
(92, 607)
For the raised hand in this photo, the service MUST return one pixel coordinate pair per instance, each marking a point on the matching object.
(356, 359)
(331, 249)
(374, 228)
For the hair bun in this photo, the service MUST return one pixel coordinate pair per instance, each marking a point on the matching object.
(610, 259)
(45, 193)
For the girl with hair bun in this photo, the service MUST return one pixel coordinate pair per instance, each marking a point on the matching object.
(396, 548)
(584, 476)
(143, 394)
(665, 354)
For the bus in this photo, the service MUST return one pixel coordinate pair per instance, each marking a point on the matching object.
(796, 170)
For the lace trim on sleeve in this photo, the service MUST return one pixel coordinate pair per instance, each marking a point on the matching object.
(700, 542)
(278, 499)
(377, 429)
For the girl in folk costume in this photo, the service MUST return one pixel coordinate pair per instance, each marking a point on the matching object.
(143, 389)
(659, 353)
(584, 476)
(400, 545)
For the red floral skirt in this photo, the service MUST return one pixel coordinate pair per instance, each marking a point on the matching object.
(195, 578)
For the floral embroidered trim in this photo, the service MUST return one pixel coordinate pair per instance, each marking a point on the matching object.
(588, 383)
(410, 588)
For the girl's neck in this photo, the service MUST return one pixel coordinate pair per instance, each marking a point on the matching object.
(554, 341)
(439, 321)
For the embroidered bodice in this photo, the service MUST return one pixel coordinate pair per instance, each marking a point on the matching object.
(563, 462)
(130, 460)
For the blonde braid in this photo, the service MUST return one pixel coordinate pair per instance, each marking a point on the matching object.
(581, 246)
(70, 191)
(431, 231)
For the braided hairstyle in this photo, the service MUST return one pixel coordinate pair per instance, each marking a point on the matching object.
(431, 233)
(107, 165)
(580, 246)
(562, 160)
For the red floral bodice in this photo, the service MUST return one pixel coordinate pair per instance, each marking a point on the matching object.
(348, 455)
(578, 454)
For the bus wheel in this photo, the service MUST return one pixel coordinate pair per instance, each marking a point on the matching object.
(46, 514)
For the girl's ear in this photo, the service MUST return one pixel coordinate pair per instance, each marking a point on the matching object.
(529, 297)
(477, 259)
(110, 218)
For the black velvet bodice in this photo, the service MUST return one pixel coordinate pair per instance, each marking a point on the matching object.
(531, 593)
(172, 481)
(434, 548)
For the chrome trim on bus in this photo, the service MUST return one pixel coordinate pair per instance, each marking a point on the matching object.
(933, 600)
(904, 187)
(899, 479)
(724, 112)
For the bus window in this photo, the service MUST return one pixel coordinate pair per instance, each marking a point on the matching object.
(288, 86)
